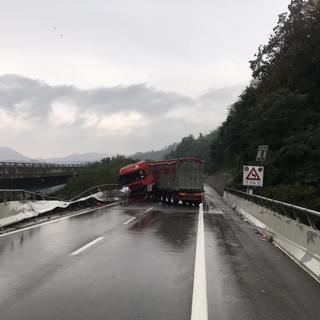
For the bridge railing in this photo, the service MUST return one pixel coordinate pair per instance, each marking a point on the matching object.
(7, 195)
(23, 169)
(22, 194)
(100, 188)
(40, 164)
(302, 215)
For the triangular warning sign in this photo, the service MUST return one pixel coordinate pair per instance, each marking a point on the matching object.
(253, 175)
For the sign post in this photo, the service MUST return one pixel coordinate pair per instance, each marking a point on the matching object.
(253, 175)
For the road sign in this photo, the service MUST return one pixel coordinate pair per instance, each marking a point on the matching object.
(253, 176)
(262, 153)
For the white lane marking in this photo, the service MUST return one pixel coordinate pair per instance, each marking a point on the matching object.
(130, 220)
(86, 246)
(134, 218)
(199, 298)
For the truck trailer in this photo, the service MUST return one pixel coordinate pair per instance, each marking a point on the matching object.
(169, 181)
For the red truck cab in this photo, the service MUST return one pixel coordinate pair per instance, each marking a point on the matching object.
(137, 176)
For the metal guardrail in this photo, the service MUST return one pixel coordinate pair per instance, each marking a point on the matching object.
(15, 170)
(17, 205)
(40, 165)
(37, 165)
(95, 189)
(302, 215)
(22, 195)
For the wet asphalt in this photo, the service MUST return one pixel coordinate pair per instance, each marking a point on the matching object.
(137, 262)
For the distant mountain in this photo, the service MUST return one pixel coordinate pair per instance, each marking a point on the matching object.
(80, 158)
(155, 155)
(8, 154)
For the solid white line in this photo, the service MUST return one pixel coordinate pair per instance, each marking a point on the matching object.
(86, 246)
(199, 309)
(150, 209)
(130, 220)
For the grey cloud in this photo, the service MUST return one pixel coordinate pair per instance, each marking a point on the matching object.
(34, 96)
(146, 100)
(39, 96)
(221, 96)
(188, 115)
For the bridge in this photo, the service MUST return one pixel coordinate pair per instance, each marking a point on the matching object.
(236, 257)
(32, 175)
(240, 256)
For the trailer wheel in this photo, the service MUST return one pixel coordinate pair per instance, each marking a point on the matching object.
(163, 198)
(174, 199)
(168, 198)
(157, 196)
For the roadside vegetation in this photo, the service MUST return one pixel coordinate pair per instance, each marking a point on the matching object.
(105, 171)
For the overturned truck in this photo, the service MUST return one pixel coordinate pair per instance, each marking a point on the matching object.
(169, 181)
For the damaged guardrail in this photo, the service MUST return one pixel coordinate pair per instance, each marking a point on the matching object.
(19, 204)
(294, 229)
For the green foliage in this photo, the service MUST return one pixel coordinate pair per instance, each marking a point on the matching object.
(198, 148)
(292, 58)
(155, 155)
(105, 171)
(304, 196)
(280, 108)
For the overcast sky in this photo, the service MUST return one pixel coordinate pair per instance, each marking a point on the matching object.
(121, 76)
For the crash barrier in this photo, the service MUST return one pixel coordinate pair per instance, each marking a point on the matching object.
(111, 189)
(18, 204)
(294, 229)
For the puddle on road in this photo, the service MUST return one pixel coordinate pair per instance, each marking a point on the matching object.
(215, 211)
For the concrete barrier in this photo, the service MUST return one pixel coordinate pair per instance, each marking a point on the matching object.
(295, 230)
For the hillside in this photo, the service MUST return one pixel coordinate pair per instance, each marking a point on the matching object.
(80, 158)
(280, 108)
(8, 154)
(155, 155)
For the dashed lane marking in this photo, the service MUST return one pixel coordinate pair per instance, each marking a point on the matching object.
(130, 220)
(90, 244)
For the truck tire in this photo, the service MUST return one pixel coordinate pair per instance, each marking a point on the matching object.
(174, 199)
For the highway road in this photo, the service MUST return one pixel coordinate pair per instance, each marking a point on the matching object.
(151, 261)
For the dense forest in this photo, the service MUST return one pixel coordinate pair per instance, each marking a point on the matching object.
(279, 108)
(105, 171)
